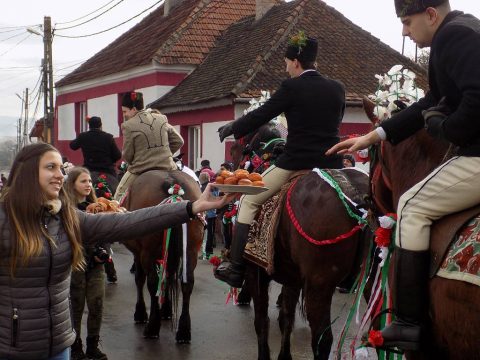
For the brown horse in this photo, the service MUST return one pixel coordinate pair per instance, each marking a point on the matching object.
(149, 189)
(454, 305)
(303, 267)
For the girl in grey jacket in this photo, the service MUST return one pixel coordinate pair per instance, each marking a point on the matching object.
(41, 236)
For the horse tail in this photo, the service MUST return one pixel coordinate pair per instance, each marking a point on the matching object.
(174, 269)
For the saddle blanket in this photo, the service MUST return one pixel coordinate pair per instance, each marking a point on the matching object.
(462, 262)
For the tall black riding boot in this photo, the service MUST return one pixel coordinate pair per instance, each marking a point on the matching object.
(233, 273)
(411, 300)
(93, 352)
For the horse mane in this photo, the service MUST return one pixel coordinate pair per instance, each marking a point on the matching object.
(411, 160)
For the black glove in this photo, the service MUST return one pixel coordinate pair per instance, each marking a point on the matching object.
(435, 116)
(400, 106)
(278, 148)
(225, 131)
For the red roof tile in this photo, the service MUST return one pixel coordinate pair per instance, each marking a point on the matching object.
(249, 56)
(185, 36)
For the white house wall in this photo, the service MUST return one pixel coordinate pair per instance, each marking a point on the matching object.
(107, 108)
(213, 149)
(152, 93)
(66, 123)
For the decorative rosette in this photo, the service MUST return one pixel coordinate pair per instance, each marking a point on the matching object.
(176, 189)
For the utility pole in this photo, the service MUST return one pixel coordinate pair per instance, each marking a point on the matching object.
(48, 80)
(25, 122)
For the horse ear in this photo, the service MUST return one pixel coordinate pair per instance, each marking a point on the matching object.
(369, 106)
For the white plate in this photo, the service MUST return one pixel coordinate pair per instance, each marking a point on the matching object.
(244, 189)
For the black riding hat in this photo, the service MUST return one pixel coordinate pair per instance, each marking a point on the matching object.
(410, 7)
(133, 99)
(302, 48)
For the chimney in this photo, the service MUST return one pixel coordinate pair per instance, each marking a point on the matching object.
(168, 6)
(262, 7)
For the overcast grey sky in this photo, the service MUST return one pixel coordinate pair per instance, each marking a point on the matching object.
(21, 52)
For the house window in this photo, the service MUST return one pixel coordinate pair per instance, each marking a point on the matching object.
(194, 147)
(83, 113)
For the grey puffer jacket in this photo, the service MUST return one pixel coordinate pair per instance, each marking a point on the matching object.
(35, 319)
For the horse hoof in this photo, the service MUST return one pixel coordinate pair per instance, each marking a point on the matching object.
(183, 337)
(243, 303)
(153, 337)
(140, 322)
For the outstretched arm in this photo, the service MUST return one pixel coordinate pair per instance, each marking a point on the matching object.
(355, 144)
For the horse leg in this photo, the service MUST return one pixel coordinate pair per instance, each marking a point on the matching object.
(286, 319)
(152, 329)
(318, 300)
(140, 316)
(184, 335)
(258, 284)
(244, 296)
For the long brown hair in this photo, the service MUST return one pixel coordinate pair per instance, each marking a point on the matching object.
(69, 185)
(23, 200)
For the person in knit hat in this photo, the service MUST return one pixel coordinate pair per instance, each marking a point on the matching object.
(149, 141)
(314, 107)
(449, 112)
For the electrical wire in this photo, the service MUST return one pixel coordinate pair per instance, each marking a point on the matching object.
(96, 17)
(18, 43)
(11, 37)
(111, 28)
(84, 16)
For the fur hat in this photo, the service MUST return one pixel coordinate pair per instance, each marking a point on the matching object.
(302, 48)
(133, 99)
(95, 122)
(410, 7)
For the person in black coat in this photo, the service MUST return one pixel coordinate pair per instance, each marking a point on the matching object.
(314, 106)
(450, 112)
(100, 152)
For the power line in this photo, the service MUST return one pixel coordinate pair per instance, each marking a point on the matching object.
(96, 17)
(111, 28)
(18, 43)
(84, 16)
(11, 37)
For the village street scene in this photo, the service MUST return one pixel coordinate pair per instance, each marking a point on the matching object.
(240, 179)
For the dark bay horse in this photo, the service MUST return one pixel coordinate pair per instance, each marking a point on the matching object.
(149, 189)
(306, 268)
(454, 305)
(300, 266)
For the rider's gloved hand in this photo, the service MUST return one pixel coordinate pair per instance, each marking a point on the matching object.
(225, 131)
(435, 116)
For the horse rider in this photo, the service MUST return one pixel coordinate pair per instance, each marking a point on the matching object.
(314, 106)
(449, 112)
(149, 141)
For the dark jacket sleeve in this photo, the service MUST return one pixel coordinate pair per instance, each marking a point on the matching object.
(407, 122)
(114, 227)
(76, 143)
(115, 152)
(278, 103)
(459, 51)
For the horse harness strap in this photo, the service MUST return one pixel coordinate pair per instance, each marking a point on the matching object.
(329, 180)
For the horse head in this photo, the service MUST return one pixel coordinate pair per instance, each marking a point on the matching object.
(255, 145)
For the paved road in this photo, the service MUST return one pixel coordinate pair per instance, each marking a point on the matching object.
(219, 331)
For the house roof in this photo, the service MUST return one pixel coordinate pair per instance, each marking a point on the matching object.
(185, 36)
(249, 56)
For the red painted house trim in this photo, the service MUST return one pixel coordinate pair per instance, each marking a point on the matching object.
(154, 79)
